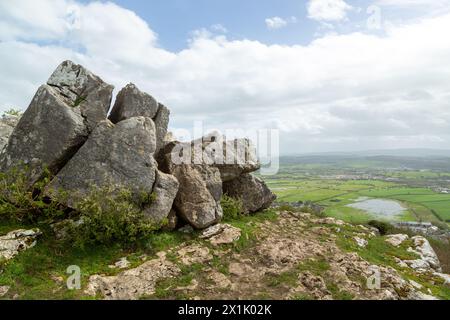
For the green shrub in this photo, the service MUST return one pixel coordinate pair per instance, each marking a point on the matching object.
(13, 112)
(383, 227)
(110, 215)
(287, 207)
(22, 203)
(232, 208)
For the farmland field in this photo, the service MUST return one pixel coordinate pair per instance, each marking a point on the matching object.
(335, 188)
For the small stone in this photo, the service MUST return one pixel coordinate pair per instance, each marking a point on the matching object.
(123, 263)
(361, 242)
(4, 290)
(239, 269)
(188, 229)
(229, 234)
(220, 280)
(211, 231)
(415, 284)
(400, 263)
(396, 239)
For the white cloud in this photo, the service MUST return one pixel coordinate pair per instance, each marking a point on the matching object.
(219, 28)
(338, 92)
(276, 23)
(328, 10)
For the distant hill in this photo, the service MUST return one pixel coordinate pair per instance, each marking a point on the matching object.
(382, 152)
(417, 159)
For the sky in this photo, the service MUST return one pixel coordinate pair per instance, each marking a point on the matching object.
(330, 75)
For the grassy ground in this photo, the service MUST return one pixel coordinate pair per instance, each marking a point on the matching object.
(41, 272)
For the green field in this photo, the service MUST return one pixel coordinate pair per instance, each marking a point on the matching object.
(421, 204)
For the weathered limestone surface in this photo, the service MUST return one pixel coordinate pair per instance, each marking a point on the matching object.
(58, 121)
(118, 155)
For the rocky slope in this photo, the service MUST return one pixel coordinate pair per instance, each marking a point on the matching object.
(293, 256)
(273, 255)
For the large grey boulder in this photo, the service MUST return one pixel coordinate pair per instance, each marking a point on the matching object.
(200, 190)
(119, 156)
(199, 194)
(165, 189)
(132, 102)
(253, 192)
(58, 121)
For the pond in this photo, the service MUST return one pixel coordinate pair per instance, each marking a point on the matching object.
(380, 207)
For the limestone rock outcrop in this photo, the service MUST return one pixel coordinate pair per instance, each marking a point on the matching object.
(66, 130)
(428, 260)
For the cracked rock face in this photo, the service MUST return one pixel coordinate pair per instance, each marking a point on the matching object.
(198, 198)
(82, 89)
(119, 155)
(58, 121)
(16, 241)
